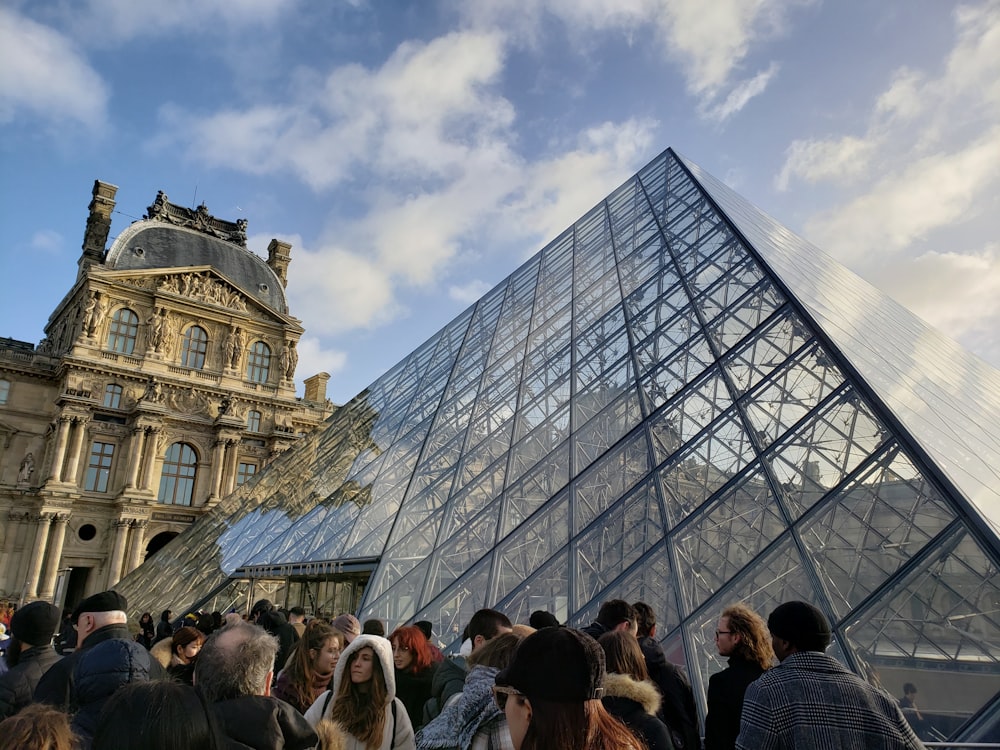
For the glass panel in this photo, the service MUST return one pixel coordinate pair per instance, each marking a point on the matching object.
(608, 479)
(535, 542)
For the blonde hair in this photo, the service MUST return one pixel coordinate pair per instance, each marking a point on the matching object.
(755, 639)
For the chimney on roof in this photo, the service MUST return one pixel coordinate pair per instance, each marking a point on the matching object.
(316, 387)
(95, 237)
(279, 255)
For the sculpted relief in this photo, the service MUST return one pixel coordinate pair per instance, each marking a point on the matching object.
(204, 288)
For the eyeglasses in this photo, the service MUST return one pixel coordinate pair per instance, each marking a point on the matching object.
(501, 692)
(723, 632)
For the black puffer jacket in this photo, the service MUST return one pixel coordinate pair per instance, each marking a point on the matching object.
(20, 681)
(677, 710)
(635, 703)
(100, 671)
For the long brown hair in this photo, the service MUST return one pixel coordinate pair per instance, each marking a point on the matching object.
(299, 667)
(623, 655)
(567, 725)
(755, 639)
(362, 714)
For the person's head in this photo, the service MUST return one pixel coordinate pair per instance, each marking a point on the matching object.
(798, 626)
(297, 615)
(260, 607)
(157, 715)
(551, 691)
(186, 643)
(37, 727)
(411, 651)
(31, 626)
(166, 616)
(617, 614)
(373, 626)
(236, 661)
(622, 654)
(146, 618)
(742, 633)
(498, 652)
(645, 620)
(540, 618)
(98, 611)
(365, 684)
(348, 625)
(485, 625)
(909, 689)
(426, 627)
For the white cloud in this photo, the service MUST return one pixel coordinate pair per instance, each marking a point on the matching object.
(44, 75)
(709, 41)
(839, 160)
(47, 241)
(313, 359)
(469, 292)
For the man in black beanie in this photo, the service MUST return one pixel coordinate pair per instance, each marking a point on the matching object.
(97, 618)
(29, 655)
(811, 700)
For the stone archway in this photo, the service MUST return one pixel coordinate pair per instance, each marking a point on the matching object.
(158, 542)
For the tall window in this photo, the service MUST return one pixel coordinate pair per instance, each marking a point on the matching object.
(99, 467)
(4, 391)
(244, 472)
(123, 331)
(259, 362)
(194, 347)
(112, 396)
(180, 466)
(253, 420)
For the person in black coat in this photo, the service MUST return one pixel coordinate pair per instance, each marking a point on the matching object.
(741, 635)
(29, 655)
(677, 709)
(164, 629)
(629, 695)
(264, 614)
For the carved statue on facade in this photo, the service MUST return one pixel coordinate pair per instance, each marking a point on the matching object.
(27, 469)
(153, 393)
(159, 208)
(289, 360)
(233, 346)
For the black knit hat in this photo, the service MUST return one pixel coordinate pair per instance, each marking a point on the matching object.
(557, 664)
(801, 624)
(35, 623)
(106, 601)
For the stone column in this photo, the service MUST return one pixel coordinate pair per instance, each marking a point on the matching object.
(152, 443)
(73, 466)
(117, 551)
(59, 452)
(37, 554)
(138, 544)
(55, 554)
(135, 457)
(232, 458)
(218, 459)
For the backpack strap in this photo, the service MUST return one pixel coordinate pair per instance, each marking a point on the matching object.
(326, 703)
(392, 737)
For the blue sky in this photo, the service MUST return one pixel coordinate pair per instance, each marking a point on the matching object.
(415, 153)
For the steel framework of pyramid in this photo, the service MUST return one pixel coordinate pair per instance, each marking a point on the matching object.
(677, 401)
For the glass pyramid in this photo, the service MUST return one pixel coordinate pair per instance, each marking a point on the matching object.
(677, 401)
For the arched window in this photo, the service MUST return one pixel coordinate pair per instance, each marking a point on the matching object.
(112, 396)
(180, 465)
(4, 391)
(259, 362)
(253, 420)
(123, 331)
(194, 347)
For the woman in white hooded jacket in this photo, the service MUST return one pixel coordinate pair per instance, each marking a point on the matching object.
(363, 712)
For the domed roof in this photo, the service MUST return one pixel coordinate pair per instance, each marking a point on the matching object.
(154, 244)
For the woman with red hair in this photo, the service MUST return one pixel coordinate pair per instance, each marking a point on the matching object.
(414, 667)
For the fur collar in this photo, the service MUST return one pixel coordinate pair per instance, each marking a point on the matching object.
(622, 686)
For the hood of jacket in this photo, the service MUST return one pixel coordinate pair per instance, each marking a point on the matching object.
(383, 652)
(622, 686)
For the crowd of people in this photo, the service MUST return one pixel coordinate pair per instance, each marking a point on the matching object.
(283, 680)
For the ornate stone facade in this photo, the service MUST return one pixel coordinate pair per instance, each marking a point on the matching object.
(164, 380)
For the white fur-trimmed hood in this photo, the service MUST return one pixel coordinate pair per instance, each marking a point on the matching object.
(383, 652)
(622, 686)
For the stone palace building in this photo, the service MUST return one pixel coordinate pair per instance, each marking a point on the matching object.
(165, 380)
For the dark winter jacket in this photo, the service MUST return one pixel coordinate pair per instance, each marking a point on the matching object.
(55, 687)
(98, 673)
(256, 722)
(448, 680)
(725, 702)
(677, 710)
(635, 704)
(18, 684)
(275, 623)
(414, 690)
